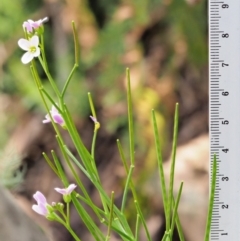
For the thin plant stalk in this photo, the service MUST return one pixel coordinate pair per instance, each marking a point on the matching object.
(175, 210)
(126, 188)
(76, 51)
(139, 211)
(160, 166)
(137, 226)
(174, 147)
(130, 117)
(126, 169)
(179, 226)
(111, 217)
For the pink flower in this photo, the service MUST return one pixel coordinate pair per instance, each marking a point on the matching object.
(41, 207)
(57, 117)
(31, 46)
(66, 191)
(30, 25)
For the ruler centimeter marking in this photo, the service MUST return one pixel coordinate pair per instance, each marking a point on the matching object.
(224, 116)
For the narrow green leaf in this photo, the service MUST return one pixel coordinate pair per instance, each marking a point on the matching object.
(137, 226)
(76, 43)
(139, 211)
(89, 223)
(51, 164)
(175, 210)
(179, 226)
(130, 117)
(134, 193)
(125, 192)
(160, 166)
(60, 170)
(174, 147)
(111, 217)
(91, 105)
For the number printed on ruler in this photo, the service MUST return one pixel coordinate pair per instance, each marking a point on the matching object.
(224, 116)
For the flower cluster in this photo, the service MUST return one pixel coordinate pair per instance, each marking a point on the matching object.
(43, 208)
(31, 44)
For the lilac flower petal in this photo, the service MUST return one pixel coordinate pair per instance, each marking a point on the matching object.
(40, 209)
(23, 44)
(70, 188)
(66, 191)
(39, 197)
(58, 119)
(28, 26)
(62, 191)
(27, 57)
(47, 119)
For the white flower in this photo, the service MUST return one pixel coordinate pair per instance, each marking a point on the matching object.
(31, 46)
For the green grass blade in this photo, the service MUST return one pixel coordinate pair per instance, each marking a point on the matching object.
(175, 209)
(122, 218)
(143, 221)
(134, 193)
(111, 217)
(160, 165)
(90, 224)
(179, 226)
(126, 187)
(76, 43)
(137, 228)
(211, 200)
(174, 147)
(130, 117)
(91, 105)
(60, 170)
(51, 164)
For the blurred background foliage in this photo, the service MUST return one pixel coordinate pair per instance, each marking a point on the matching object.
(163, 42)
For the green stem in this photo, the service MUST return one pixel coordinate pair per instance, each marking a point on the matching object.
(143, 221)
(39, 85)
(126, 188)
(72, 232)
(76, 43)
(93, 148)
(92, 105)
(68, 80)
(175, 210)
(51, 165)
(137, 228)
(53, 84)
(43, 53)
(111, 217)
(68, 215)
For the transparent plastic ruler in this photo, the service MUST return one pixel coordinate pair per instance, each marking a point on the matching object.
(224, 116)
